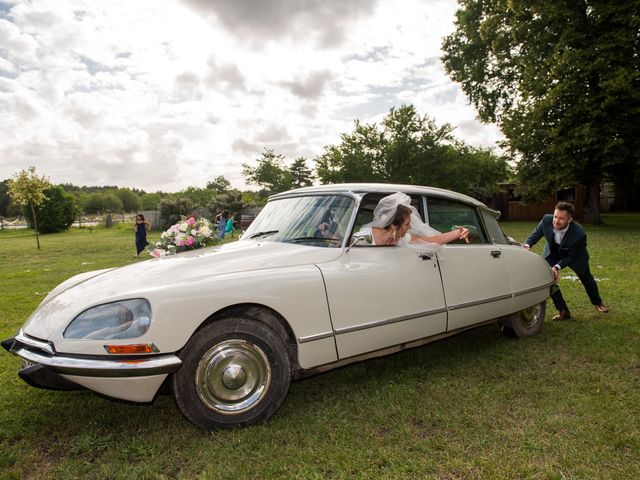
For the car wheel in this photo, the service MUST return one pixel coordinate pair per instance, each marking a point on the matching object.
(525, 323)
(235, 372)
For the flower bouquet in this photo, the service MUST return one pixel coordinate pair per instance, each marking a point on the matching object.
(188, 234)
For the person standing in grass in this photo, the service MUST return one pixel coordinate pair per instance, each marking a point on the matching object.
(230, 227)
(222, 224)
(566, 247)
(141, 227)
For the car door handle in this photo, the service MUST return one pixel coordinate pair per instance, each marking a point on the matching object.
(496, 253)
(425, 256)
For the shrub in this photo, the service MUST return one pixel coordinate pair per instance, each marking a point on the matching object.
(173, 209)
(56, 214)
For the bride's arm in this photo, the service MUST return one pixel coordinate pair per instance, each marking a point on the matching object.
(459, 233)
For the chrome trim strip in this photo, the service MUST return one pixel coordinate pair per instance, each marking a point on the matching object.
(480, 302)
(34, 343)
(379, 323)
(113, 367)
(534, 289)
(312, 338)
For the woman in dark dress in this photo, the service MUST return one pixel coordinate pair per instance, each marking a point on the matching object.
(141, 226)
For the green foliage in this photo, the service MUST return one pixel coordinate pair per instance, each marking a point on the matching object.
(151, 201)
(4, 198)
(199, 197)
(230, 200)
(301, 174)
(112, 202)
(562, 80)
(408, 148)
(27, 188)
(270, 172)
(130, 201)
(55, 214)
(94, 203)
(219, 184)
(172, 209)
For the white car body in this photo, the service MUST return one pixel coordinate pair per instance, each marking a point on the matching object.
(328, 306)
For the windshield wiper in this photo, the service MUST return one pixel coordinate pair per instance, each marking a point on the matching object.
(266, 233)
(324, 239)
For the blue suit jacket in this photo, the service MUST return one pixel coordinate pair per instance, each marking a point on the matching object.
(573, 249)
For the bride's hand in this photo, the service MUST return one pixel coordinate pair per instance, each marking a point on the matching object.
(463, 234)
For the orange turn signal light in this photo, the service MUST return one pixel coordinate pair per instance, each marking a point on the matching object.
(131, 349)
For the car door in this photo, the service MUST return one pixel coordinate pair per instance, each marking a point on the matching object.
(474, 275)
(380, 296)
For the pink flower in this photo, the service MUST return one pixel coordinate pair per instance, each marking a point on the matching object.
(156, 252)
(191, 221)
(190, 241)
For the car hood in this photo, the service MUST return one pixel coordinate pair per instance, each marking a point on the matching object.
(88, 289)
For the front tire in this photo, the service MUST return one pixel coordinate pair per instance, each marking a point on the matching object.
(525, 323)
(235, 372)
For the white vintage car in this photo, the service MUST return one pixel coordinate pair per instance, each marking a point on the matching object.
(227, 328)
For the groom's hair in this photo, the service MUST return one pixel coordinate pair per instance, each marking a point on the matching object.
(566, 207)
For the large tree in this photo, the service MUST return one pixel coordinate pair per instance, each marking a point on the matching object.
(409, 148)
(562, 80)
(270, 172)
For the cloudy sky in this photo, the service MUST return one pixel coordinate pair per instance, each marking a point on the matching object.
(165, 94)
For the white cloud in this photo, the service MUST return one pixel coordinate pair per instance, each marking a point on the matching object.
(163, 94)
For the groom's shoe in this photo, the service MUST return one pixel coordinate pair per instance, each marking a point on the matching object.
(562, 315)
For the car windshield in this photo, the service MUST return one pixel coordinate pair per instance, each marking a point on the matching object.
(317, 220)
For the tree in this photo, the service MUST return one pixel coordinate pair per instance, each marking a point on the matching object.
(409, 148)
(56, 213)
(4, 198)
(230, 200)
(130, 201)
(562, 80)
(301, 175)
(270, 172)
(173, 209)
(219, 184)
(94, 203)
(27, 190)
(112, 202)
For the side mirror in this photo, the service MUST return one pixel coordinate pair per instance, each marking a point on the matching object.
(360, 237)
(511, 241)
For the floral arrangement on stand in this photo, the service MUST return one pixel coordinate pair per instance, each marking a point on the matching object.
(188, 234)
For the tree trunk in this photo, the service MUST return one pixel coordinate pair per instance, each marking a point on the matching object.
(35, 225)
(591, 213)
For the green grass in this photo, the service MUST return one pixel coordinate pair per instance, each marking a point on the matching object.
(564, 404)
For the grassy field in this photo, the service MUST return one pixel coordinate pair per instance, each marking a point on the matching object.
(562, 405)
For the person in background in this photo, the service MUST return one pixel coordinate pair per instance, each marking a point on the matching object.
(230, 228)
(566, 247)
(141, 227)
(222, 224)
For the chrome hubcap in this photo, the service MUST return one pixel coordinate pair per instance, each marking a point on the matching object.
(233, 376)
(530, 316)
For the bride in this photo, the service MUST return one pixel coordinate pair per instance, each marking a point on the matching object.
(396, 222)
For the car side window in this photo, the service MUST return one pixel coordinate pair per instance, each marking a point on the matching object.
(496, 235)
(445, 215)
(368, 205)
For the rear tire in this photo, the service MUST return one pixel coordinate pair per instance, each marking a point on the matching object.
(235, 372)
(525, 323)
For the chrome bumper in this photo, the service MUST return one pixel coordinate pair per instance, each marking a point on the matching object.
(38, 352)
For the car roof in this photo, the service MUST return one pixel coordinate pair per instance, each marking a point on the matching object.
(360, 188)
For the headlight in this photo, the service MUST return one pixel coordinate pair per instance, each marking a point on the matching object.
(124, 319)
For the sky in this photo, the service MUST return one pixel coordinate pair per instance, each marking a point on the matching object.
(166, 94)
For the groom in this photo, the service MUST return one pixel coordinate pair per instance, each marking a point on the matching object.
(566, 247)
